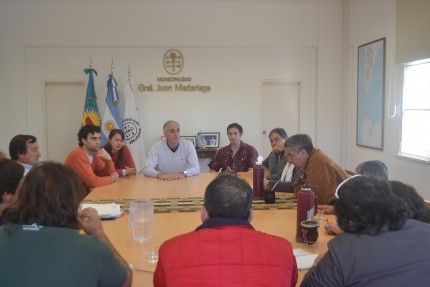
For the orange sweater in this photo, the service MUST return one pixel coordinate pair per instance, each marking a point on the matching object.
(92, 175)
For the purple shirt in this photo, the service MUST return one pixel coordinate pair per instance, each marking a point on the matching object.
(243, 160)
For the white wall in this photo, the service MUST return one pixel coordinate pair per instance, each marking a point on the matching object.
(230, 45)
(370, 20)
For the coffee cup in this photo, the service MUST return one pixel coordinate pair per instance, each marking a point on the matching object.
(269, 196)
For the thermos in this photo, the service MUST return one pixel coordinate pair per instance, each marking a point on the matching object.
(306, 206)
(258, 178)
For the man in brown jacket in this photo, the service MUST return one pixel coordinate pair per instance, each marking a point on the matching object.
(315, 168)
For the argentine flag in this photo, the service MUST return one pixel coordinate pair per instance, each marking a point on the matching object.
(112, 117)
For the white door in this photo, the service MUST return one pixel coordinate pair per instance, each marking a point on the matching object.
(281, 109)
(64, 107)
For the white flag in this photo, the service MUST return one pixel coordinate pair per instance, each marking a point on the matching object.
(132, 128)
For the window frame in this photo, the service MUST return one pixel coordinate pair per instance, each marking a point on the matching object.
(401, 153)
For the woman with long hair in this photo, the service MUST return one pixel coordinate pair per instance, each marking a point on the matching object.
(120, 153)
(40, 242)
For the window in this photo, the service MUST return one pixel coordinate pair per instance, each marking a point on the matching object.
(415, 139)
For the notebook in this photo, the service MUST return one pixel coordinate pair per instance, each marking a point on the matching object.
(105, 210)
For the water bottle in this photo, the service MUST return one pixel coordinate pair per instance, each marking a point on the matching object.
(258, 178)
(306, 206)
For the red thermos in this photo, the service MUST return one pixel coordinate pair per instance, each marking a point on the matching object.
(258, 180)
(305, 209)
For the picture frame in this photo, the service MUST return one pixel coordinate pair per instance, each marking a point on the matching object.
(211, 139)
(189, 138)
(371, 94)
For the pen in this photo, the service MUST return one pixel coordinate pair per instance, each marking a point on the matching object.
(275, 185)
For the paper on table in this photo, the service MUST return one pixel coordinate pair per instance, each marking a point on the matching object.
(304, 259)
(105, 210)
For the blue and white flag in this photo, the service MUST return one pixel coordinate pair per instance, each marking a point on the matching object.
(132, 127)
(112, 116)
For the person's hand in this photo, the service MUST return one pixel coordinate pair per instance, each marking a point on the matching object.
(90, 221)
(104, 154)
(332, 228)
(266, 183)
(114, 176)
(327, 209)
(278, 148)
(130, 171)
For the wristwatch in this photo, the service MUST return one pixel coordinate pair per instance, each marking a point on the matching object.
(186, 173)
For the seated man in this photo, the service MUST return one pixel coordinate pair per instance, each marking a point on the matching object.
(315, 168)
(11, 174)
(173, 157)
(41, 237)
(24, 149)
(226, 250)
(237, 156)
(380, 246)
(92, 164)
(375, 168)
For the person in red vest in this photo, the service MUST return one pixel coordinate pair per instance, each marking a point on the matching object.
(226, 250)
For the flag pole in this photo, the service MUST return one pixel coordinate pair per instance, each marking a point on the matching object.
(129, 70)
(111, 67)
(91, 63)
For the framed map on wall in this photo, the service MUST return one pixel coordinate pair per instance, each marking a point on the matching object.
(370, 94)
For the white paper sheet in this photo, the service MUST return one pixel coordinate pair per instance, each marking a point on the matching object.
(304, 259)
(105, 210)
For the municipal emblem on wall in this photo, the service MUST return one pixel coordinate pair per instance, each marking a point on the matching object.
(173, 62)
(132, 130)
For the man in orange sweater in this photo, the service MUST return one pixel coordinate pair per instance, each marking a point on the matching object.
(93, 164)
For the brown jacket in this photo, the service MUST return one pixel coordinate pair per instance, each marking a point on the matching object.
(323, 172)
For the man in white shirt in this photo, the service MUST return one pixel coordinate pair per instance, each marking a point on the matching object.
(172, 158)
(24, 149)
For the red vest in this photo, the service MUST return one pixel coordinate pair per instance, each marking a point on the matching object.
(226, 256)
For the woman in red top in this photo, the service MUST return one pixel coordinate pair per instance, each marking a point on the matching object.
(121, 156)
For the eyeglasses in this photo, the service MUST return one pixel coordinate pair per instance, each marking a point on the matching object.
(342, 183)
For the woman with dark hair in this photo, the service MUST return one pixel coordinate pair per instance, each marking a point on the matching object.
(414, 202)
(281, 171)
(380, 246)
(121, 156)
(41, 238)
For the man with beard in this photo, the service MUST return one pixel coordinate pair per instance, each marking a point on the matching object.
(93, 164)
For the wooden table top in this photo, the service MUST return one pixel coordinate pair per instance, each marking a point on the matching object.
(281, 222)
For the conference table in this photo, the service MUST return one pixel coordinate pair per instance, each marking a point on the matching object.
(280, 222)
